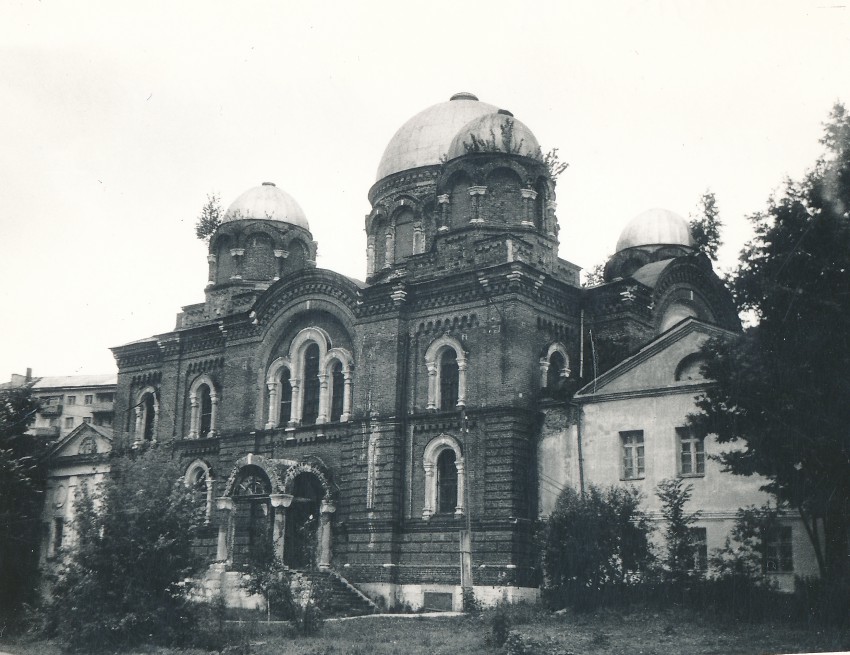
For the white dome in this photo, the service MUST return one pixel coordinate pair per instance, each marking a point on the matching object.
(488, 129)
(655, 227)
(426, 137)
(266, 202)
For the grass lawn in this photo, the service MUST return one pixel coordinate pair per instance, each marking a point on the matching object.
(600, 633)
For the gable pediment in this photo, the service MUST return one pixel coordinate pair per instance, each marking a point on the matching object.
(84, 440)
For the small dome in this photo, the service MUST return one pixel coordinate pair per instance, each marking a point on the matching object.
(267, 202)
(426, 137)
(655, 227)
(489, 130)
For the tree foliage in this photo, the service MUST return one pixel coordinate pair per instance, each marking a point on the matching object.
(783, 386)
(706, 225)
(674, 495)
(124, 579)
(596, 540)
(22, 478)
(210, 217)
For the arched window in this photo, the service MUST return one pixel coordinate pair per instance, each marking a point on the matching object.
(311, 385)
(448, 380)
(446, 362)
(337, 391)
(206, 411)
(285, 414)
(555, 374)
(446, 482)
(199, 480)
(444, 477)
(203, 408)
(147, 415)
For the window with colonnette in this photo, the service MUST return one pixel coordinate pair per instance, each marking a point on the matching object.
(446, 363)
(312, 384)
(445, 479)
(204, 400)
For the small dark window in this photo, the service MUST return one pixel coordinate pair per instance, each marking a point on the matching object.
(448, 380)
(778, 550)
(554, 376)
(206, 411)
(311, 385)
(58, 534)
(447, 482)
(337, 391)
(285, 397)
(148, 410)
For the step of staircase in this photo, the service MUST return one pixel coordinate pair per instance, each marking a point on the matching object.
(340, 597)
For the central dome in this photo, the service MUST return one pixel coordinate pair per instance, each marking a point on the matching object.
(266, 202)
(655, 227)
(426, 137)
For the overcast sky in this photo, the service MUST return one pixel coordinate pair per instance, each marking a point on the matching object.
(117, 119)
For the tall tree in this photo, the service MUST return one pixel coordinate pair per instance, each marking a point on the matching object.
(705, 225)
(21, 496)
(783, 389)
(210, 217)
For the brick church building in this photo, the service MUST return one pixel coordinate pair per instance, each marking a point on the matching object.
(404, 432)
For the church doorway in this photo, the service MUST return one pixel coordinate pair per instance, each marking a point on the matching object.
(303, 519)
(254, 518)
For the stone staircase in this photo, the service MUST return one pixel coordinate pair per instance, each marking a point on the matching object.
(340, 597)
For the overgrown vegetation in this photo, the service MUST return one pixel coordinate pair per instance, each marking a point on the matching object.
(705, 226)
(123, 581)
(22, 479)
(210, 217)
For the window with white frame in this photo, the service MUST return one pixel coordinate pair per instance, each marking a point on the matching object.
(446, 363)
(203, 408)
(147, 415)
(312, 384)
(698, 556)
(778, 550)
(691, 452)
(444, 477)
(633, 455)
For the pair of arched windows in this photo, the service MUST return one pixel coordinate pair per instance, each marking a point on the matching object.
(311, 385)
(446, 362)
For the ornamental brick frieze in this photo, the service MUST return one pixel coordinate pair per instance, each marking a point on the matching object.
(201, 366)
(197, 447)
(145, 379)
(448, 324)
(139, 359)
(409, 180)
(451, 426)
(557, 331)
(208, 341)
(304, 291)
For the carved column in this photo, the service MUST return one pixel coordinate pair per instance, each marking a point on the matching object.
(210, 483)
(445, 201)
(279, 256)
(193, 415)
(461, 382)
(430, 491)
(274, 406)
(139, 435)
(461, 485)
(295, 414)
(389, 251)
(476, 192)
(432, 385)
(528, 198)
(225, 508)
(238, 255)
(346, 395)
(213, 413)
(370, 254)
(211, 260)
(323, 398)
(326, 537)
(155, 427)
(280, 502)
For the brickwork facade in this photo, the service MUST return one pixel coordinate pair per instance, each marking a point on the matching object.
(399, 419)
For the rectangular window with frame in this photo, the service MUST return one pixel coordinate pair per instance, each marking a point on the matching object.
(778, 551)
(69, 421)
(87, 400)
(633, 454)
(698, 559)
(72, 400)
(87, 419)
(691, 452)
